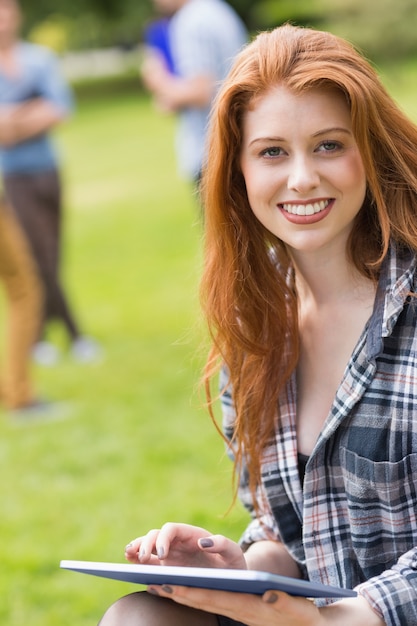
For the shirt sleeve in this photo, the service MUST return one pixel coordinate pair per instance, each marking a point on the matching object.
(393, 594)
(262, 526)
(52, 85)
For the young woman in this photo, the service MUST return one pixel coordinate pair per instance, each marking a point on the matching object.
(310, 196)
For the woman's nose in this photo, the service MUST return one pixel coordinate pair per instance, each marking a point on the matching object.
(303, 175)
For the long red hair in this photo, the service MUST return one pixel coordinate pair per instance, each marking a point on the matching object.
(251, 308)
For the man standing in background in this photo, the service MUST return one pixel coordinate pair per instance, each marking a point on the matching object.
(204, 37)
(34, 99)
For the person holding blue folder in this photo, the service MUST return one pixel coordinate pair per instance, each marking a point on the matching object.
(156, 38)
(309, 289)
(186, 58)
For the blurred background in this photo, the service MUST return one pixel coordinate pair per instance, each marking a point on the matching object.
(100, 41)
(385, 29)
(136, 447)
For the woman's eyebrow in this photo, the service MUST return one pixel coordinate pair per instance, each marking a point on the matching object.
(338, 129)
(324, 131)
(267, 139)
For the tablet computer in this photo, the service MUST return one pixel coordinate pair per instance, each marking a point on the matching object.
(244, 581)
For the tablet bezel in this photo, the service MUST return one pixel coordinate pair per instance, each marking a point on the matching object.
(242, 581)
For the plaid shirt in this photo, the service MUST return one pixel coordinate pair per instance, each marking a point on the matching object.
(354, 523)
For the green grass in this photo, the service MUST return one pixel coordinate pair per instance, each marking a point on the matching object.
(137, 449)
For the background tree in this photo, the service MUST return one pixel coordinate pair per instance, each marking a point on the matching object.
(384, 29)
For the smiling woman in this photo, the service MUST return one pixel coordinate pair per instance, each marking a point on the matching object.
(310, 198)
(302, 166)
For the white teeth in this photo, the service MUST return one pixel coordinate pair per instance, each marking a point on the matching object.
(306, 209)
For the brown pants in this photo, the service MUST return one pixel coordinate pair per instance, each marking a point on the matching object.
(36, 201)
(24, 309)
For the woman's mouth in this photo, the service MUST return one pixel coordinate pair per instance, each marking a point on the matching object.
(310, 208)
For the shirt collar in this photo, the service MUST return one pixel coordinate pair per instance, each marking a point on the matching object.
(395, 284)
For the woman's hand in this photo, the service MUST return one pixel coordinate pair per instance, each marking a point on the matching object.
(185, 545)
(274, 608)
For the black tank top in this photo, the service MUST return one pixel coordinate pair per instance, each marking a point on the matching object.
(302, 462)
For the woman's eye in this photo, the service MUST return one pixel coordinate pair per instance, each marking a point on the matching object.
(272, 152)
(329, 146)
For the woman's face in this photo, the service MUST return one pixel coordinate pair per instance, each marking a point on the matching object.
(168, 7)
(304, 175)
(9, 20)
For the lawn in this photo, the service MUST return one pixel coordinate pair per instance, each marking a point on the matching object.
(136, 447)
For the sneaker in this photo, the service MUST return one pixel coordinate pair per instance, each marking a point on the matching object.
(86, 350)
(40, 410)
(45, 353)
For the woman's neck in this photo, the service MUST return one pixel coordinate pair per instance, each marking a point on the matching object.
(328, 278)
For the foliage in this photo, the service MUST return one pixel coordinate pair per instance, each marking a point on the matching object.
(105, 9)
(88, 24)
(382, 28)
(53, 32)
(269, 13)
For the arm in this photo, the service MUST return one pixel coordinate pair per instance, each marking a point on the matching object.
(351, 612)
(184, 545)
(27, 120)
(271, 556)
(173, 93)
(22, 120)
(273, 608)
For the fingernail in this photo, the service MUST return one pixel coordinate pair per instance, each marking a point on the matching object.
(160, 552)
(166, 588)
(152, 590)
(129, 545)
(142, 553)
(271, 598)
(206, 542)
